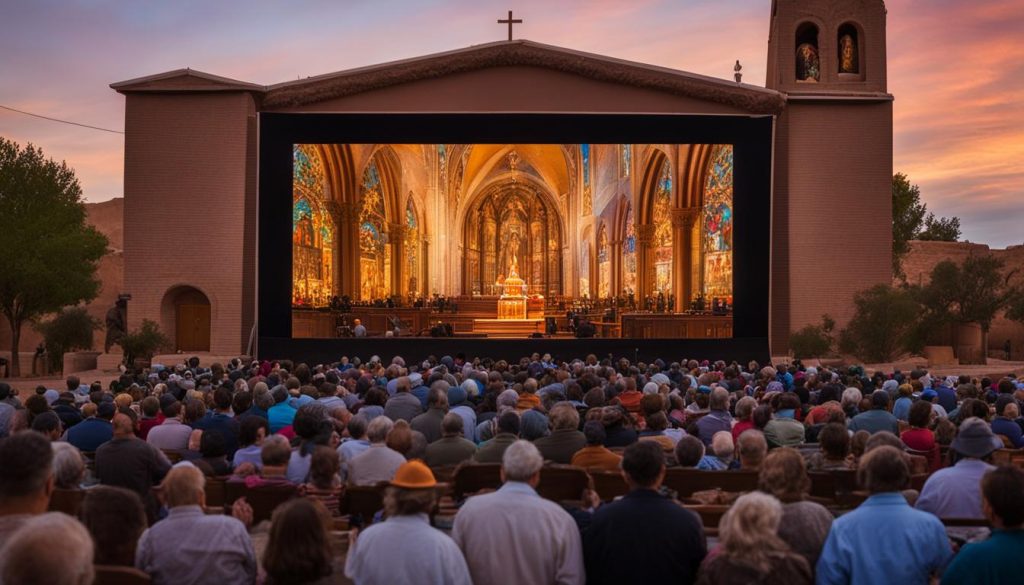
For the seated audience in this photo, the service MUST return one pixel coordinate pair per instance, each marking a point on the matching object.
(718, 419)
(643, 525)
(744, 416)
(750, 551)
(429, 423)
(884, 540)
(722, 453)
(689, 452)
(355, 444)
(251, 432)
(379, 462)
(565, 438)
(508, 520)
(452, 448)
(805, 524)
(834, 442)
(92, 432)
(172, 434)
(116, 519)
(428, 555)
(595, 455)
(129, 462)
(878, 418)
(298, 551)
(752, 448)
(26, 480)
(955, 492)
(1005, 421)
(213, 459)
(783, 430)
(403, 405)
(919, 437)
(218, 551)
(493, 450)
(324, 484)
(30, 556)
(996, 560)
(68, 466)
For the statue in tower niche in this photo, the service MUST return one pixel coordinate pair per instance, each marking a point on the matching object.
(116, 318)
(848, 54)
(808, 66)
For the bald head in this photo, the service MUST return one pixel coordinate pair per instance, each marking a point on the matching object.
(124, 426)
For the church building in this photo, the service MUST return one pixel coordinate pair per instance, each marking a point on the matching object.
(573, 221)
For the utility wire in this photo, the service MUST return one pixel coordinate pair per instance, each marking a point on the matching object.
(62, 121)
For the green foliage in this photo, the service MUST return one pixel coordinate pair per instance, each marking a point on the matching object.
(48, 255)
(884, 325)
(70, 330)
(144, 342)
(911, 221)
(813, 341)
(972, 292)
(943, 229)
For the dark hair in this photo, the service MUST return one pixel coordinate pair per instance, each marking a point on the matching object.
(171, 409)
(116, 519)
(46, 422)
(250, 428)
(508, 423)
(762, 414)
(375, 397)
(212, 444)
(920, 414)
(1001, 488)
(643, 461)
(883, 469)
(323, 467)
(593, 430)
(241, 401)
(150, 405)
(25, 459)
(298, 550)
(835, 440)
(222, 398)
(357, 427)
(689, 451)
(657, 421)
(194, 410)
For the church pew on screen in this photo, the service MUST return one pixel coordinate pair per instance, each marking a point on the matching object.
(116, 575)
(471, 478)
(265, 499)
(687, 481)
(562, 483)
(67, 501)
(608, 484)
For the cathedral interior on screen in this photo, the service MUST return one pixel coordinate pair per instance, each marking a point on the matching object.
(511, 240)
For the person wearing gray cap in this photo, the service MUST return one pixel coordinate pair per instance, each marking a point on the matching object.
(955, 492)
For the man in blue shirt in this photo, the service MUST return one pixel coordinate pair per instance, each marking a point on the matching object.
(996, 560)
(884, 540)
(1005, 422)
(878, 418)
(222, 421)
(92, 432)
(954, 492)
(282, 413)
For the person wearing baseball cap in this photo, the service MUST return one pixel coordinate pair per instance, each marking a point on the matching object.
(427, 555)
(955, 492)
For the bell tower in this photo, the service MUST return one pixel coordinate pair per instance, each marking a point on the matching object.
(832, 206)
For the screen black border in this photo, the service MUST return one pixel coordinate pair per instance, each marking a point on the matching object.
(751, 137)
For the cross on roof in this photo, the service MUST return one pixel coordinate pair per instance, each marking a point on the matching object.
(510, 21)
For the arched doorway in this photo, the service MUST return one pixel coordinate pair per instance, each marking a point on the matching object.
(185, 312)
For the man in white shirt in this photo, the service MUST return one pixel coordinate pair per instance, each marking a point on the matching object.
(539, 541)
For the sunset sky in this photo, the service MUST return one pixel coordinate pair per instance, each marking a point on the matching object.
(956, 68)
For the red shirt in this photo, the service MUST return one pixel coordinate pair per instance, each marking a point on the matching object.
(922, 440)
(147, 423)
(741, 426)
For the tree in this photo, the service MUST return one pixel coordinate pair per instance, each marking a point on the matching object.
(48, 255)
(813, 341)
(884, 324)
(972, 292)
(143, 343)
(912, 221)
(70, 330)
(943, 229)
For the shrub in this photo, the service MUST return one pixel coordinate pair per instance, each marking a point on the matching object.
(69, 330)
(144, 342)
(813, 341)
(884, 326)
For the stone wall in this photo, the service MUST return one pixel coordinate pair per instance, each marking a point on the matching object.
(923, 257)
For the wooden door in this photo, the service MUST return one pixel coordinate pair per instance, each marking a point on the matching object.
(193, 327)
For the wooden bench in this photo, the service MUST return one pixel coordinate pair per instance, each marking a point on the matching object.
(562, 483)
(473, 477)
(608, 484)
(687, 481)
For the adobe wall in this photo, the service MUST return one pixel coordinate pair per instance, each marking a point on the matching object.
(187, 172)
(923, 257)
(832, 211)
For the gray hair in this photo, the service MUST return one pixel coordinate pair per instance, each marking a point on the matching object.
(262, 397)
(722, 445)
(719, 399)
(68, 465)
(521, 461)
(30, 556)
(508, 398)
(745, 407)
(378, 429)
(851, 397)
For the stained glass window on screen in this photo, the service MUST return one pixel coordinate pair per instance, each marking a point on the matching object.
(626, 159)
(587, 190)
(629, 254)
(604, 265)
(663, 230)
(312, 230)
(412, 248)
(718, 218)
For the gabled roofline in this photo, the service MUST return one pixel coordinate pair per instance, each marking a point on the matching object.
(528, 54)
(168, 81)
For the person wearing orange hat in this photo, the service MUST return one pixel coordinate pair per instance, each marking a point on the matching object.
(406, 548)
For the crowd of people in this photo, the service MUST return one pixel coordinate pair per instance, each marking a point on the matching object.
(327, 427)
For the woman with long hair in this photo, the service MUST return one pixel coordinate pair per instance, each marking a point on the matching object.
(298, 551)
(749, 549)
